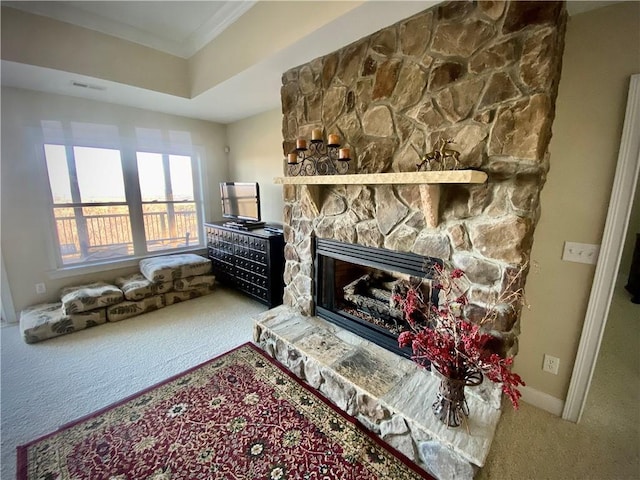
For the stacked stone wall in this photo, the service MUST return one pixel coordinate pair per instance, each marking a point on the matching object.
(484, 74)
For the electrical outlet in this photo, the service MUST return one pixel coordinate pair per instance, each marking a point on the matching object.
(580, 252)
(551, 364)
(41, 288)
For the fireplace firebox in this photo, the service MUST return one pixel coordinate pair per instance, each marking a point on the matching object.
(354, 287)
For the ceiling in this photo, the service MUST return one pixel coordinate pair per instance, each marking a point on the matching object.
(178, 28)
(182, 28)
(253, 90)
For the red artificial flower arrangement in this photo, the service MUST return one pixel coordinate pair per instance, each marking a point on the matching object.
(442, 337)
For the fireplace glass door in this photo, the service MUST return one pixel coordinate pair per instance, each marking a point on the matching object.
(355, 288)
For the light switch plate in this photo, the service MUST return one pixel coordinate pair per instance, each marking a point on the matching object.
(580, 252)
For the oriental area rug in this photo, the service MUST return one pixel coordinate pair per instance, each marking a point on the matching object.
(238, 416)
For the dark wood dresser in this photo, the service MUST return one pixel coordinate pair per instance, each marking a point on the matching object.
(250, 260)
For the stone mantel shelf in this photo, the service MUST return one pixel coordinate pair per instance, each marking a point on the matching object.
(398, 178)
(428, 182)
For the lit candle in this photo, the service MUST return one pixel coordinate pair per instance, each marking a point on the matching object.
(316, 134)
(293, 158)
(344, 153)
(301, 143)
(334, 139)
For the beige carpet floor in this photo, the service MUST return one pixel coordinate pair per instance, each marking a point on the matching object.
(51, 383)
(605, 444)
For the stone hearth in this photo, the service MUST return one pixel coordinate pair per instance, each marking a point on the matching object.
(390, 395)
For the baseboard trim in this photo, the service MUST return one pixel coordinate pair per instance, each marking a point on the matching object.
(542, 400)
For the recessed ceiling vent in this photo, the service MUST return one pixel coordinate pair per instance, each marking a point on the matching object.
(87, 85)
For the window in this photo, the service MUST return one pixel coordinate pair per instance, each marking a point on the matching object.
(168, 206)
(108, 207)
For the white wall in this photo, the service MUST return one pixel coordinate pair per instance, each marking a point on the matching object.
(256, 156)
(25, 216)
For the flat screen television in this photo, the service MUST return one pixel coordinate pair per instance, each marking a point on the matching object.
(240, 201)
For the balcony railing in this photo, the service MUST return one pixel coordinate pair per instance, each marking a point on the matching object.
(109, 236)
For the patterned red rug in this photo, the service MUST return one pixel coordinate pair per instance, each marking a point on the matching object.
(238, 416)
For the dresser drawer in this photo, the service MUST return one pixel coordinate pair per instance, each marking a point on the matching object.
(259, 268)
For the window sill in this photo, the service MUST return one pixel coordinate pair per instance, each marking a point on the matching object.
(78, 270)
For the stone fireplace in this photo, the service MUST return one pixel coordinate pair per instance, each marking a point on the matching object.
(482, 73)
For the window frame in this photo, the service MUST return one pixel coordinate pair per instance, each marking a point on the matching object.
(128, 151)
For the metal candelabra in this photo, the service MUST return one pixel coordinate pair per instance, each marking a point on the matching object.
(318, 159)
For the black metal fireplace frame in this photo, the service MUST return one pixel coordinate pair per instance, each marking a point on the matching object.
(327, 251)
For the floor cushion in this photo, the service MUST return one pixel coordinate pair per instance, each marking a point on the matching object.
(48, 320)
(172, 267)
(82, 298)
(136, 287)
(177, 297)
(189, 283)
(127, 309)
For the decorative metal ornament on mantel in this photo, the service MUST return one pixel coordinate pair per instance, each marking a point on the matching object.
(442, 157)
(319, 158)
